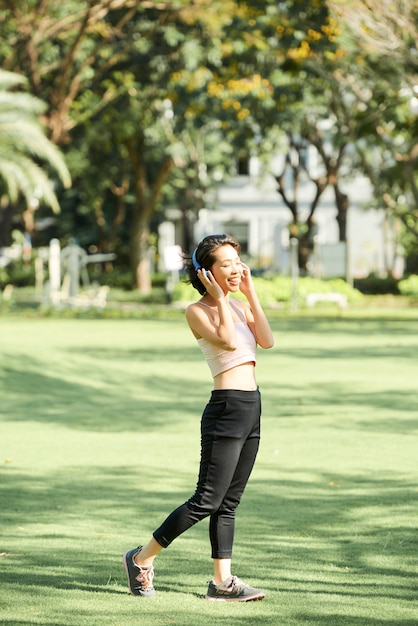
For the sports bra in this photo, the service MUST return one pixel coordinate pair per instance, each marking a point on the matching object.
(220, 360)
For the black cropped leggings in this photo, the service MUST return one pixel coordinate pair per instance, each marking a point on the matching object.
(230, 436)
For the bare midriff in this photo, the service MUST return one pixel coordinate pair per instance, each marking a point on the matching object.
(241, 377)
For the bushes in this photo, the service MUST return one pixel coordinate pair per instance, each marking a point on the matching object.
(274, 291)
(278, 290)
(409, 286)
(338, 285)
(17, 274)
(377, 285)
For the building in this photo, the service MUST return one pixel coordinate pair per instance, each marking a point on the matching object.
(252, 210)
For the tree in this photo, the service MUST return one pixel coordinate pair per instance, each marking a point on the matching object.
(115, 60)
(25, 156)
(282, 107)
(379, 51)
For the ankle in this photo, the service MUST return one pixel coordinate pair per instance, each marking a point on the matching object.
(142, 562)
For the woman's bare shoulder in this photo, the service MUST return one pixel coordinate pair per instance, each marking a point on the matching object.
(240, 304)
(197, 309)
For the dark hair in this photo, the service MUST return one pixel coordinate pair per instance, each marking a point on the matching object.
(203, 256)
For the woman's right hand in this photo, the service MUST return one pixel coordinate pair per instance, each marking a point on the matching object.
(208, 281)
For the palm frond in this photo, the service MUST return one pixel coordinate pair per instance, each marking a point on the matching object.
(22, 175)
(10, 80)
(25, 151)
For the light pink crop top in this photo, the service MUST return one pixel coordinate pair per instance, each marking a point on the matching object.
(220, 360)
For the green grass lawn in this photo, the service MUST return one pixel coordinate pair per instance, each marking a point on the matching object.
(99, 440)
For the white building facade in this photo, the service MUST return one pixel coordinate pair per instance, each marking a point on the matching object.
(254, 213)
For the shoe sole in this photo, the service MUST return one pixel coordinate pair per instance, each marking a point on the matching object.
(127, 573)
(250, 599)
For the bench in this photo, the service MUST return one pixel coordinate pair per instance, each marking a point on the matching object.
(338, 298)
(92, 298)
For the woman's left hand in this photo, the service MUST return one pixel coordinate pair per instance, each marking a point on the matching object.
(246, 281)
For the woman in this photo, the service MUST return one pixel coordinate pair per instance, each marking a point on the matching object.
(227, 331)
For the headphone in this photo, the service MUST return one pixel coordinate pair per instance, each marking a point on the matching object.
(195, 262)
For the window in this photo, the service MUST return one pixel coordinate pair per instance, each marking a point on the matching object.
(243, 165)
(238, 230)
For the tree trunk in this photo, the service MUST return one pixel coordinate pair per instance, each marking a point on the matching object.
(147, 195)
(139, 255)
(6, 222)
(297, 163)
(305, 246)
(341, 201)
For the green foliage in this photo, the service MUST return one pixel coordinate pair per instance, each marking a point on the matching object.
(374, 285)
(121, 279)
(152, 101)
(184, 292)
(279, 289)
(136, 86)
(409, 241)
(377, 75)
(24, 145)
(118, 278)
(409, 286)
(338, 285)
(18, 274)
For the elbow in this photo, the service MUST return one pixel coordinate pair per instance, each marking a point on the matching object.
(267, 344)
(229, 346)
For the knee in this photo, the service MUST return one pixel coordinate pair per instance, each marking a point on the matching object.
(204, 508)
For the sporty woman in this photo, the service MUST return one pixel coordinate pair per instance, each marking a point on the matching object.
(228, 331)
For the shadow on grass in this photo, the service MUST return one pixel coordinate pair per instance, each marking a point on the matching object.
(103, 398)
(315, 537)
(118, 389)
(161, 355)
(341, 535)
(11, 622)
(330, 400)
(350, 620)
(363, 327)
(355, 352)
(63, 518)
